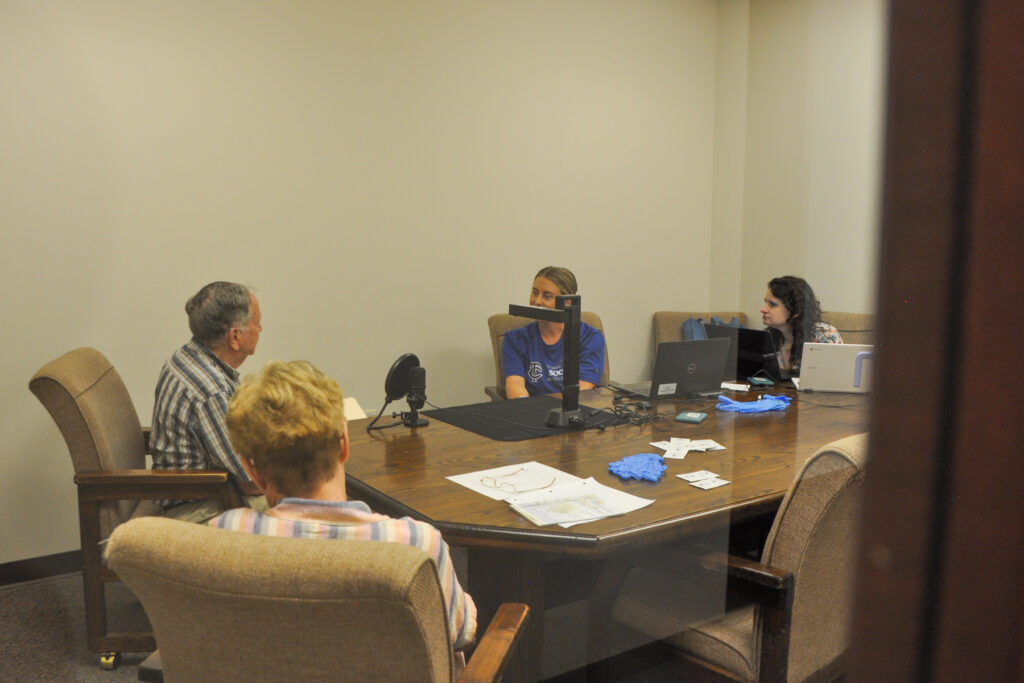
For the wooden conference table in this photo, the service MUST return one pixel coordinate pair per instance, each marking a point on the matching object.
(402, 471)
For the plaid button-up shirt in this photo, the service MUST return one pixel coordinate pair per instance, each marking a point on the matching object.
(189, 429)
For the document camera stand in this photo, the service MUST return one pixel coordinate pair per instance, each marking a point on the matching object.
(566, 311)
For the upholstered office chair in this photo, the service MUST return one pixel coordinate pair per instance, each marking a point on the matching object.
(227, 605)
(668, 325)
(91, 406)
(854, 328)
(500, 323)
(795, 603)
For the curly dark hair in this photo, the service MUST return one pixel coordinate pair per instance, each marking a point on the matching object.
(804, 312)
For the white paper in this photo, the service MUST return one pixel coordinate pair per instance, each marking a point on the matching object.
(697, 476)
(573, 503)
(713, 482)
(503, 482)
(706, 445)
(678, 447)
(352, 409)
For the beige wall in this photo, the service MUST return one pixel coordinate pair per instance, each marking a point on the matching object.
(814, 128)
(387, 175)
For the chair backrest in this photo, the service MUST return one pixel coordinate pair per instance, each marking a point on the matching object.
(91, 406)
(500, 323)
(854, 328)
(668, 325)
(814, 537)
(227, 605)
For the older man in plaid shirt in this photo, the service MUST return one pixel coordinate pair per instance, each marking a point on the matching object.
(193, 391)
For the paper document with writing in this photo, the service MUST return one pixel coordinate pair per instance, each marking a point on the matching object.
(545, 495)
(501, 482)
(570, 504)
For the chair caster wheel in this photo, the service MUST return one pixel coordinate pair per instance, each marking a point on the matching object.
(110, 660)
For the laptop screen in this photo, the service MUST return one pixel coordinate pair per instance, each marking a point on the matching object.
(751, 352)
(689, 368)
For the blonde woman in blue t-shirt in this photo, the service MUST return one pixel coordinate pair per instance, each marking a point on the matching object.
(531, 356)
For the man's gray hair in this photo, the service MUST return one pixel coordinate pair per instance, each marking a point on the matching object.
(215, 309)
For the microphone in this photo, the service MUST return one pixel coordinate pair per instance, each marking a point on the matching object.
(416, 397)
(417, 387)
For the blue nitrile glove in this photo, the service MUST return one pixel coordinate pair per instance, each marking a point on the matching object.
(764, 404)
(649, 466)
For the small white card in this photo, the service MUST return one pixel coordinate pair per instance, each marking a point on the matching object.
(731, 386)
(705, 445)
(705, 484)
(697, 476)
(677, 449)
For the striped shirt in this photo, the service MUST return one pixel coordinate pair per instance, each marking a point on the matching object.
(189, 430)
(354, 521)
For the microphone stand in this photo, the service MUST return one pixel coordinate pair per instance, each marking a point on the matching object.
(566, 311)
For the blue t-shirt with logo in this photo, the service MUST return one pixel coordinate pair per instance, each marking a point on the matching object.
(525, 354)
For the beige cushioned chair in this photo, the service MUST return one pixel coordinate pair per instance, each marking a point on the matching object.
(500, 323)
(232, 606)
(794, 604)
(854, 328)
(91, 405)
(668, 325)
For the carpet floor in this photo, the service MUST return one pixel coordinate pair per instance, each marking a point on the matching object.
(42, 632)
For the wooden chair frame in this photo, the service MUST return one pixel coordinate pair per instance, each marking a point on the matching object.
(60, 386)
(95, 488)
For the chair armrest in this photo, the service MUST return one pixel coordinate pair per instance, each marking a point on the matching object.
(762, 584)
(156, 484)
(748, 570)
(493, 391)
(494, 649)
(151, 477)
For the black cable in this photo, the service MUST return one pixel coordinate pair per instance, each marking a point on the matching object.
(393, 424)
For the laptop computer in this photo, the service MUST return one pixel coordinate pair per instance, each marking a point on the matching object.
(751, 352)
(836, 367)
(683, 369)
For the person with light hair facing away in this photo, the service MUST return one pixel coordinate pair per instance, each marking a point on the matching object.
(287, 423)
(531, 355)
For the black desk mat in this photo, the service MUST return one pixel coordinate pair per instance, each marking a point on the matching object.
(516, 419)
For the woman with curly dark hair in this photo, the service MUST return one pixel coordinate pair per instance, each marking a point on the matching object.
(792, 315)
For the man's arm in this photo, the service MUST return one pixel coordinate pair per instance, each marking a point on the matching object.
(212, 433)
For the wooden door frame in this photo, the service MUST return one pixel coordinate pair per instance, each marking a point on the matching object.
(939, 591)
